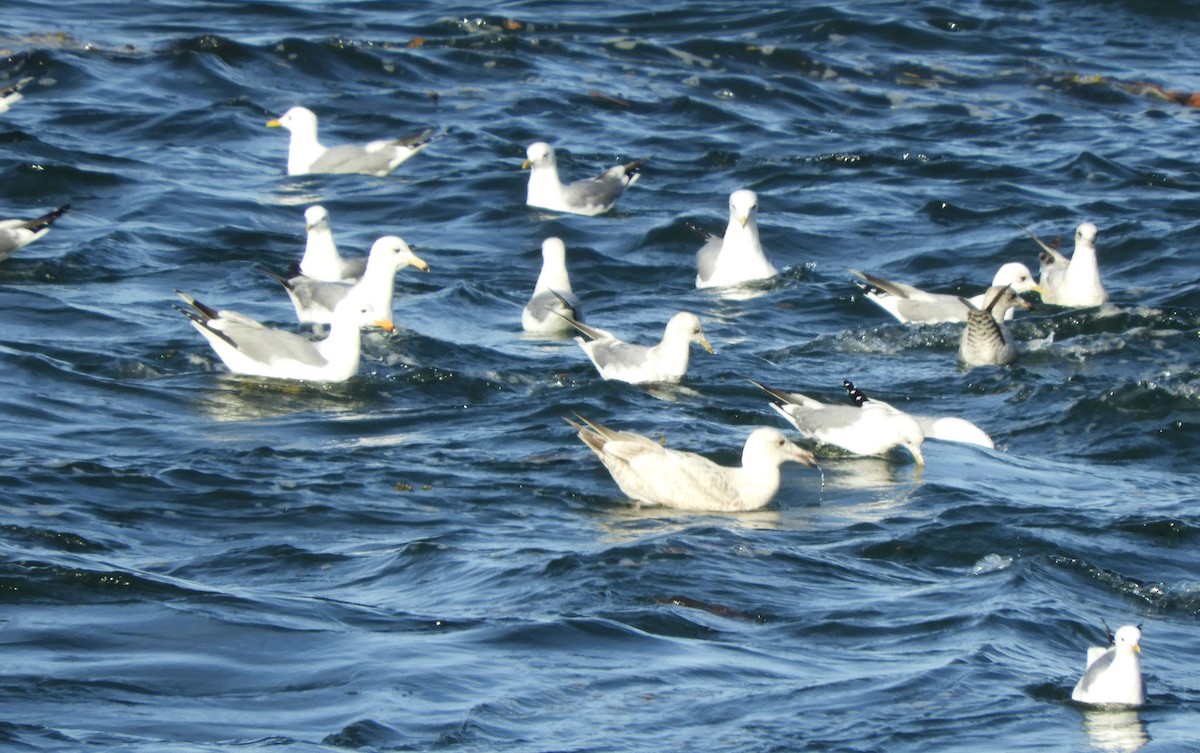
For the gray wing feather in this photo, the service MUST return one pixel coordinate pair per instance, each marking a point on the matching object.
(706, 257)
(1096, 668)
(267, 345)
(326, 295)
(621, 355)
(547, 303)
(352, 159)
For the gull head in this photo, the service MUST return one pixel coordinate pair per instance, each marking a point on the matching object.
(686, 326)
(314, 216)
(743, 205)
(1086, 233)
(355, 309)
(296, 119)
(911, 440)
(539, 154)
(1128, 637)
(770, 443)
(391, 249)
(1015, 275)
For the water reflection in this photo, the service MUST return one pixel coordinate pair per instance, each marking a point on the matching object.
(1115, 731)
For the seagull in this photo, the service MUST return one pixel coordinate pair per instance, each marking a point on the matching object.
(552, 302)
(869, 427)
(1074, 282)
(986, 340)
(738, 257)
(11, 94)
(641, 364)
(249, 347)
(321, 260)
(1114, 673)
(589, 197)
(909, 304)
(655, 475)
(306, 155)
(316, 302)
(16, 234)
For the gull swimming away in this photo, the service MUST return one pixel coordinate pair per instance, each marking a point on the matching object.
(16, 234)
(306, 154)
(986, 341)
(913, 305)
(1076, 281)
(642, 364)
(590, 197)
(321, 260)
(869, 427)
(553, 305)
(249, 347)
(655, 475)
(11, 94)
(1114, 673)
(316, 302)
(738, 257)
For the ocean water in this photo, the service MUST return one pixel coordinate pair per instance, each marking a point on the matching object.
(425, 557)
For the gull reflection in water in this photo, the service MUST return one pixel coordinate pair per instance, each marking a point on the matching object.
(1115, 730)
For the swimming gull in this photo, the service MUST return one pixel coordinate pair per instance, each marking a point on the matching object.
(249, 347)
(911, 305)
(640, 364)
(11, 94)
(321, 260)
(316, 301)
(1114, 673)
(1076, 281)
(986, 340)
(655, 475)
(552, 302)
(307, 155)
(591, 196)
(16, 234)
(737, 257)
(869, 427)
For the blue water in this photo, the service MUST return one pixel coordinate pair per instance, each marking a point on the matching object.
(425, 557)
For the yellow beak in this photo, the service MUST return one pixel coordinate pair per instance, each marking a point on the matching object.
(526, 165)
(274, 123)
(703, 342)
(385, 325)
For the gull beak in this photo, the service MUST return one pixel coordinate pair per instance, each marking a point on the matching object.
(274, 123)
(385, 325)
(526, 165)
(703, 342)
(1137, 647)
(743, 219)
(917, 456)
(803, 456)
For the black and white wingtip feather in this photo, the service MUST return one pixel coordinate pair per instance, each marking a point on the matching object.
(859, 397)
